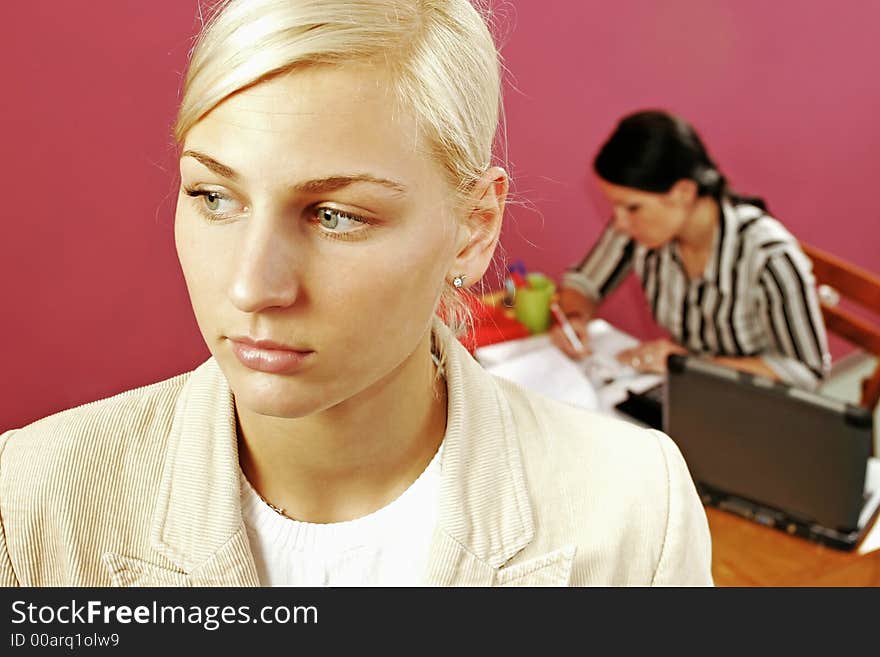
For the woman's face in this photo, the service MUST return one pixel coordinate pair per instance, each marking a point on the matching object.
(650, 219)
(315, 235)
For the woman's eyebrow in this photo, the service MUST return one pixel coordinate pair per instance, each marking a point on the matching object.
(315, 186)
(212, 164)
(334, 183)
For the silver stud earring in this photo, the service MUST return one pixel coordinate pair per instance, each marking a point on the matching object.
(458, 282)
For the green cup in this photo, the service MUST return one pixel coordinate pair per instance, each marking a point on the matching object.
(532, 304)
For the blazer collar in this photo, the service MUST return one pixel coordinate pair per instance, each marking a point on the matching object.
(485, 517)
(197, 521)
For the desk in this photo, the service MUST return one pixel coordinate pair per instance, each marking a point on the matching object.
(744, 553)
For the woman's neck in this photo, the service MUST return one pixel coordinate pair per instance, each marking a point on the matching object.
(355, 457)
(698, 232)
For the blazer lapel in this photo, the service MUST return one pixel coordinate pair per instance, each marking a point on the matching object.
(451, 564)
(196, 522)
(485, 513)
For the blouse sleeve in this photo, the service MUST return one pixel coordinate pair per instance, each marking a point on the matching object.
(604, 267)
(793, 317)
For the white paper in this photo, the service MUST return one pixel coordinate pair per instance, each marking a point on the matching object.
(872, 484)
(607, 378)
(550, 372)
(500, 352)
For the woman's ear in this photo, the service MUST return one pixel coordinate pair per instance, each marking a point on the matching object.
(480, 226)
(684, 192)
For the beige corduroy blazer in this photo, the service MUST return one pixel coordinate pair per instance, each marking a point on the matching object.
(142, 489)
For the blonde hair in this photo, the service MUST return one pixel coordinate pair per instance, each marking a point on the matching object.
(440, 54)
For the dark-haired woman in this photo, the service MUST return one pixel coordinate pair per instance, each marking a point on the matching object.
(722, 276)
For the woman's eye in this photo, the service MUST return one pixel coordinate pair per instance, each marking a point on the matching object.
(214, 204)
(633, 207)
(336, 221)
(212, 201)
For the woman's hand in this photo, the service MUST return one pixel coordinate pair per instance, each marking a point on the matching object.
(579, 324)
(579, 310)
(650, 356)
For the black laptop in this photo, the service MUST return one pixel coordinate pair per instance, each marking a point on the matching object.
(775, 454)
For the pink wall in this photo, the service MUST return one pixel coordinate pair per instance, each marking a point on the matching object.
(92, 296)
(785, 94)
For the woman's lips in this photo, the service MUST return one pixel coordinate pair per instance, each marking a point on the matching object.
(267, 356)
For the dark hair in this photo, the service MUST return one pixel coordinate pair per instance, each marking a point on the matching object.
(652, 150)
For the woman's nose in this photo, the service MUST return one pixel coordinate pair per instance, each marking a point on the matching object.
(265, 273)
(621, 219)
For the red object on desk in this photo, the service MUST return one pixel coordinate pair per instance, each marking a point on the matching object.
(492, 324)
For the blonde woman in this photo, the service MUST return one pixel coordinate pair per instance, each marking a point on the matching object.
(337, 195)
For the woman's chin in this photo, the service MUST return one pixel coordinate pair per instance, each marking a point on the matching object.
(650, 243)
(282, 407)
(275, 396)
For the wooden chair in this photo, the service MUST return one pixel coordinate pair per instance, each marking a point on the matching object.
(838, 279)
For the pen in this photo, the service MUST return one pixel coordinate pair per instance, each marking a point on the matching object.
(518, 280)
(567, 328)
(518, 273)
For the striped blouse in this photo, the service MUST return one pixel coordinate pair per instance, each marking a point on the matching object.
(756, 296)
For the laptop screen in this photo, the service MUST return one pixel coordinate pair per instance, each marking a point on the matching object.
(794, 451)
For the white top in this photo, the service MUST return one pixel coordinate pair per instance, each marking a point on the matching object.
(388, 547)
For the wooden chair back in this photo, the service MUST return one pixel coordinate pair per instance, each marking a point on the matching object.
(837, 279)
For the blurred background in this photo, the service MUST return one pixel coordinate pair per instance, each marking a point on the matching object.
(785, 95)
